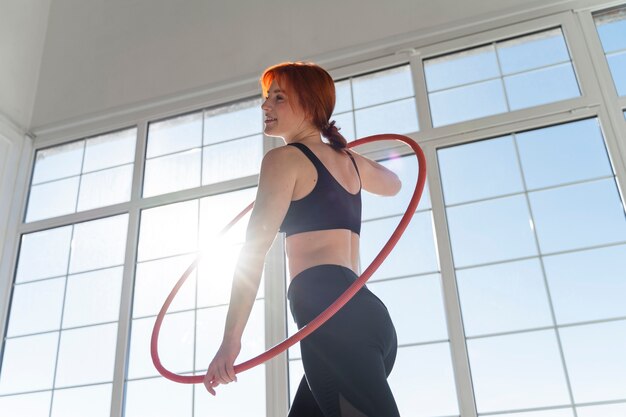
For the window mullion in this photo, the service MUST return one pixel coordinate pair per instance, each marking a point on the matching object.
(456, 331)
(605, 87)
(421, 94)
(122, 349)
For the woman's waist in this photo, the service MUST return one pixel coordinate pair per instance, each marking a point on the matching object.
(308, 249)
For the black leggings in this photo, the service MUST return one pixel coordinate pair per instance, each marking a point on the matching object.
(346, 360)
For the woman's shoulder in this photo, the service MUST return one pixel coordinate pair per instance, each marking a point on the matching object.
(282, 157)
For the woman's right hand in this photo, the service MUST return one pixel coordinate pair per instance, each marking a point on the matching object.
(221, 369)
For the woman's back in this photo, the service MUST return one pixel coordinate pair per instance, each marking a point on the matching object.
(338, 246)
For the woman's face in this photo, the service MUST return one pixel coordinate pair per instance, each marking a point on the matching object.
(279, 117)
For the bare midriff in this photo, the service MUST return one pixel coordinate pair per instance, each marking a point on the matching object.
(335, 246)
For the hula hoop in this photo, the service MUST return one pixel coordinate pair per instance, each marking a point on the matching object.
(324, 315)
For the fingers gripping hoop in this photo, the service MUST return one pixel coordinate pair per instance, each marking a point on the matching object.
(333, 308)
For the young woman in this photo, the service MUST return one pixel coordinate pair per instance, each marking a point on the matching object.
(311, 191)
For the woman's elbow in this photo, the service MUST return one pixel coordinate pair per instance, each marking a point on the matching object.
(390, 187)
(397, 185)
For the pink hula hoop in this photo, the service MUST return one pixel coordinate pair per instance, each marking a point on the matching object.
(333, 308)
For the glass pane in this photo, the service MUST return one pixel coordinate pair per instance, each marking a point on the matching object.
(612, 29)
(52, 199)
(234, 121)
(605, 410)
(58, 162)
(343, 96)
(478, 170)
(416, 307)
(93, 297)
(174, 172)
(210, 330)
(345, 123)
(481, 232)
(517, 371)
(398, 117)
(535, 69)
(413, 254)
(541, 86)
(228, 402)
(176, 341)
(460, 68)
(99, 243)
(234, 159)
(216, 273)
(422, 381)
(168, 230)
(594, 207)
(561, 154)
(382, 86)
(93, 401)
(595, 360)
(155, 280)
(158, 397)
(110, 150)
(587, 285)
(44, 254)
(611, 25)
(28, 363)
(296, 373)
(385, 102)
(31, 405)
(504, 297)
(468, 102)
(36, 307)
(553, 412)
(174, 135)
(86, 355)
(406, 168)
(533, 51)
(58, 175)
(218, 210)
(104, 188)
(617, 64)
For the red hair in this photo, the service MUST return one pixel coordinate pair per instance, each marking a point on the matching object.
(314, 90)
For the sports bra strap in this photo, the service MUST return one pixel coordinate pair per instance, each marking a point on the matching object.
(316, 161)
(309, 153)
(356, 167)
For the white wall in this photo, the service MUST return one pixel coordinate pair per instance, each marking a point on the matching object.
(22, 36)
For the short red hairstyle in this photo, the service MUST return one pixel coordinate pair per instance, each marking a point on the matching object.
(314, 90)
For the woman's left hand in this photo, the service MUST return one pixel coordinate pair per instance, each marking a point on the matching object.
(221, 370)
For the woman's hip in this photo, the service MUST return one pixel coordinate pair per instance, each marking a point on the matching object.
(314, 289)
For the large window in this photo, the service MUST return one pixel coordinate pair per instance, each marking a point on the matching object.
(62, 329)
(169, 239)
(500, 77)
(204, 148)
(538, 238)
(82, 175)
(375, 103)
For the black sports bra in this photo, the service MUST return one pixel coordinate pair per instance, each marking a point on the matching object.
(328, 206)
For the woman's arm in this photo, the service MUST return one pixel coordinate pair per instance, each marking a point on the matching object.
(376, 178)
(276, 183)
